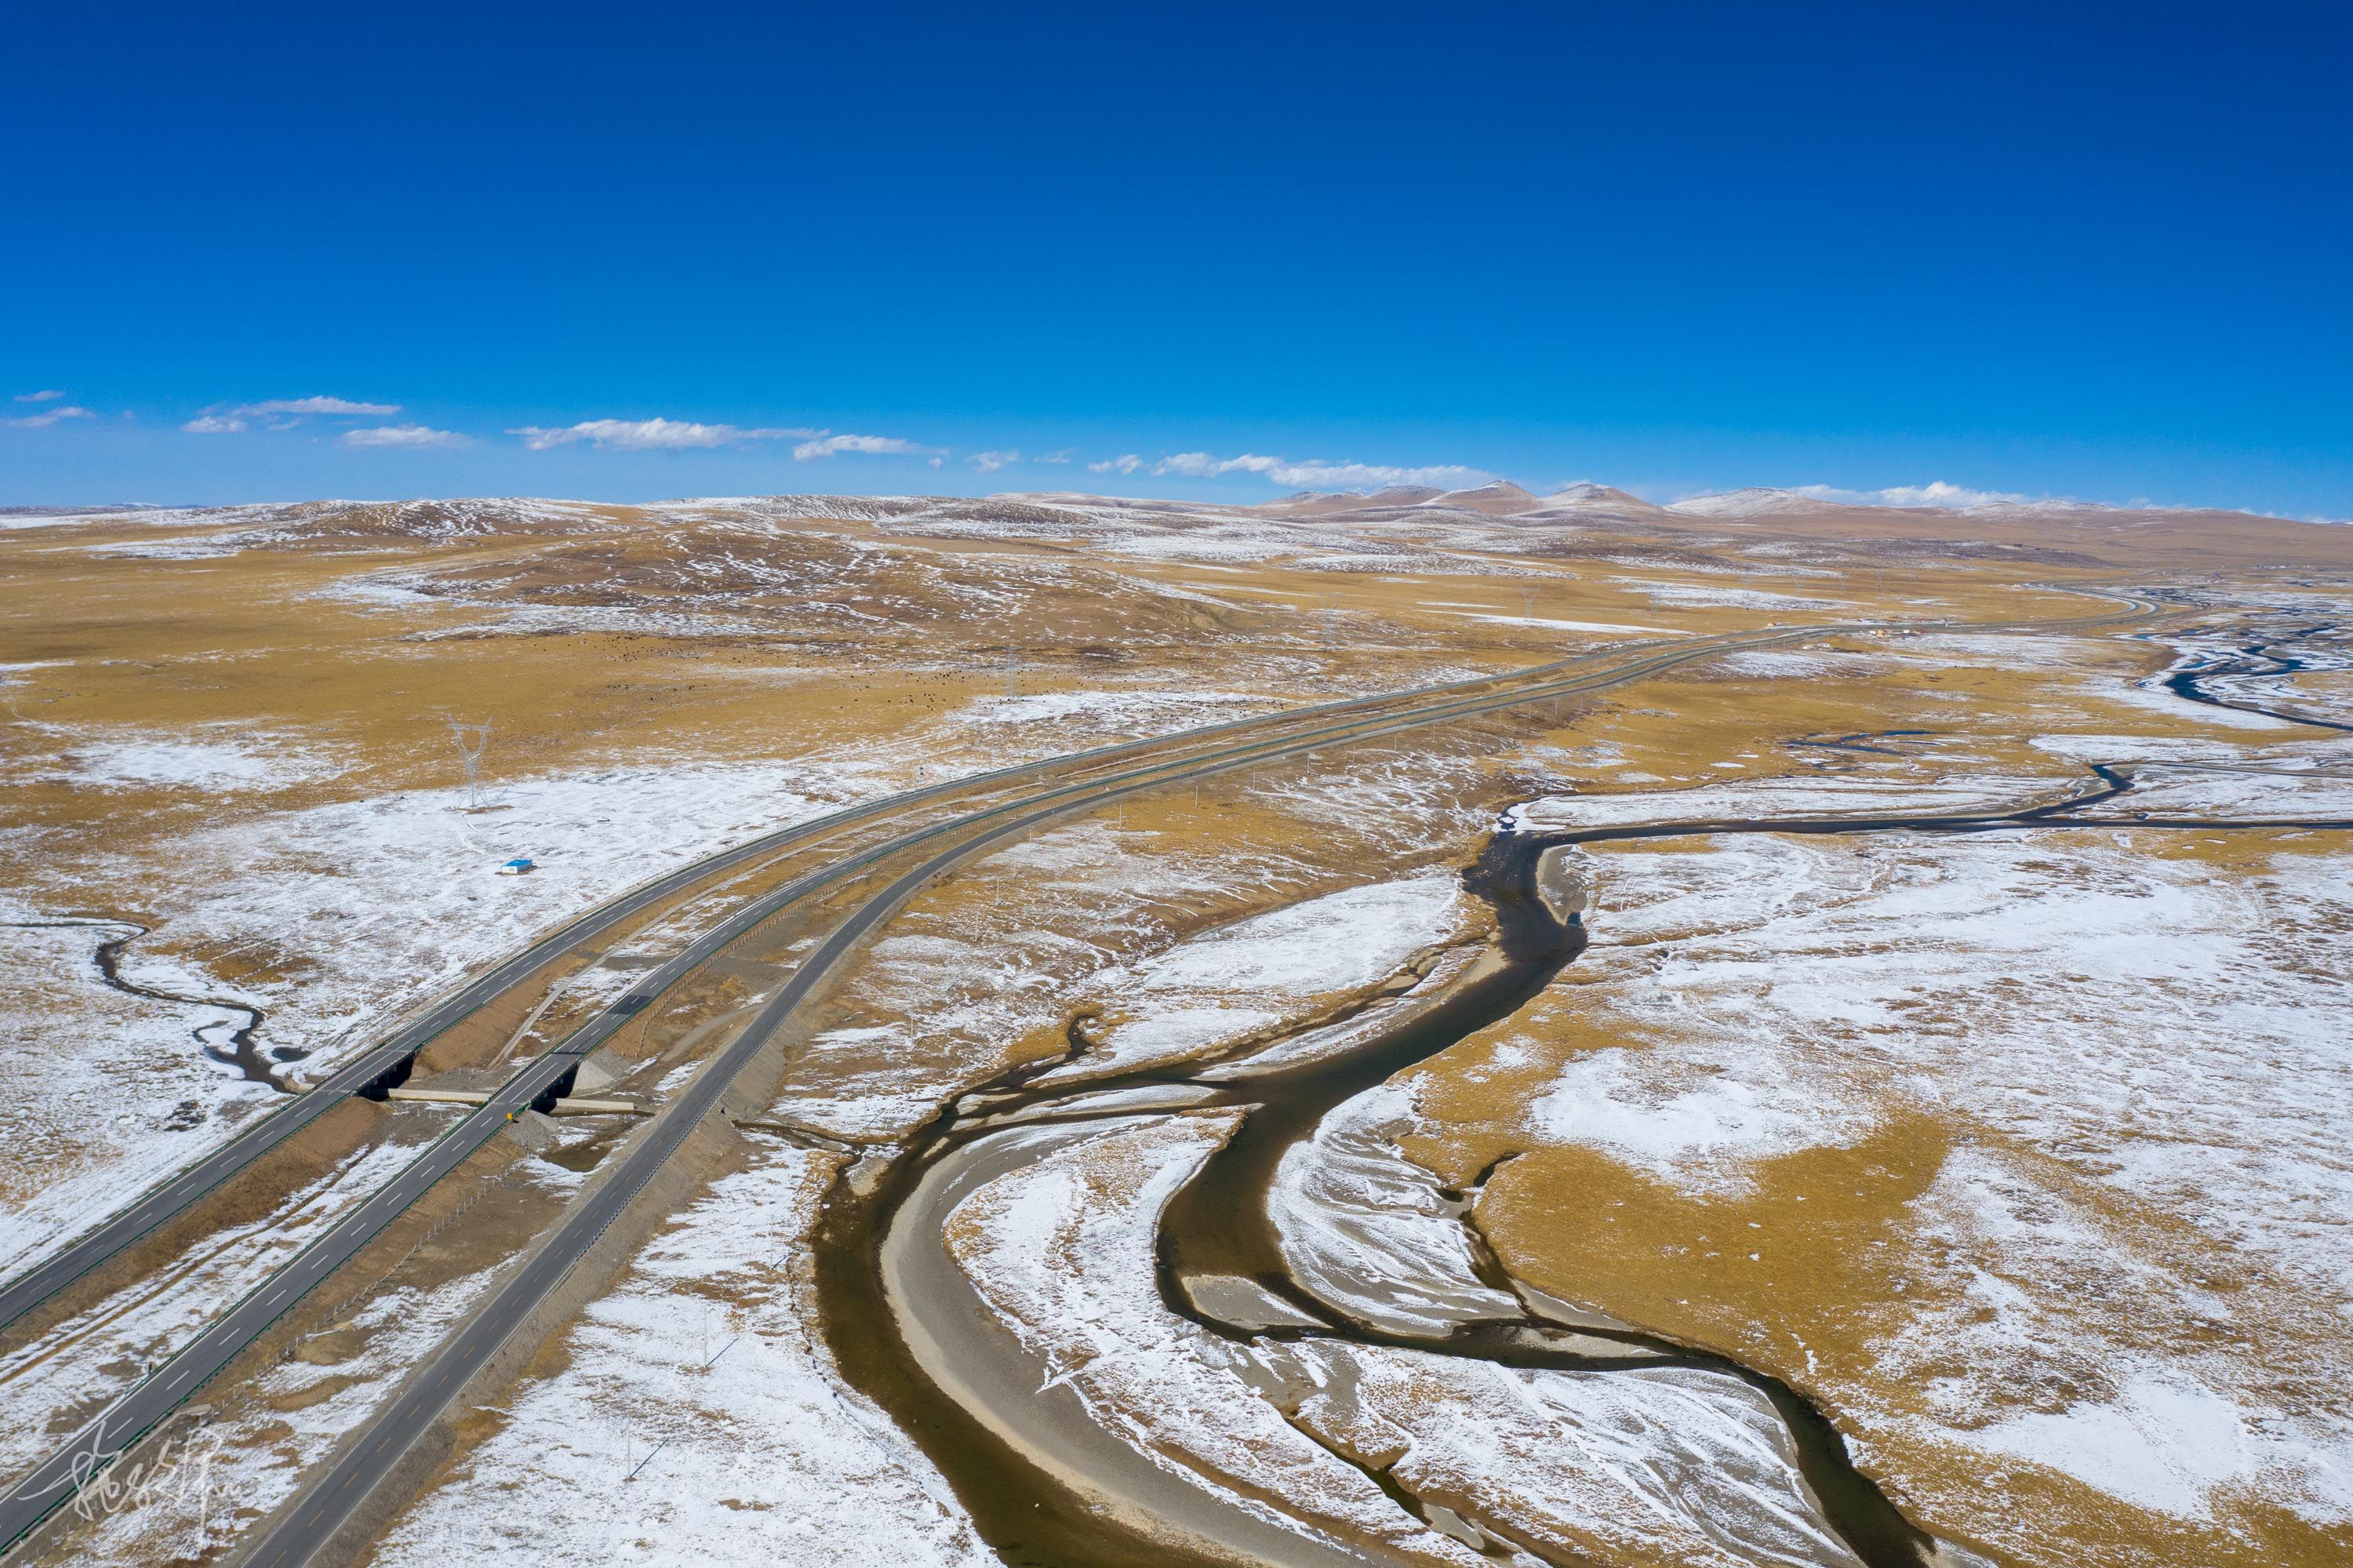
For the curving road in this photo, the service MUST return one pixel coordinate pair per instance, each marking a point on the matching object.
(322, 1509)
(169, 1197)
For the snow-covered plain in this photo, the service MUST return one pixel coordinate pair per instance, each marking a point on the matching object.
(221, 759)
(2290, 788)
(1412, 804)
(1125, 711)
(2173, 1041)
(707, 1348)
(2038, 1277)
(1791, 796)
(1682, 596)
(1691, 1467)
(1541, 623)
(385, 900)
(1211, 992)
(958, 985)
(1062, 1251)
(2150, 696)
(133, 1097)
(1798, 664)
(1638, 1465)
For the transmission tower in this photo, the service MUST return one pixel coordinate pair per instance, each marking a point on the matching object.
(471, 740)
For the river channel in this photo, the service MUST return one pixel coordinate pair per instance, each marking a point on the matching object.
(1044, 1482)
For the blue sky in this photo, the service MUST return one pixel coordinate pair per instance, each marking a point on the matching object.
(2096, 252)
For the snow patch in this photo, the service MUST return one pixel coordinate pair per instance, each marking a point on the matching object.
(707, 1348)
(1229, 983)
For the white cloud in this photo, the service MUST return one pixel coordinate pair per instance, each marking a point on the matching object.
(409, 436)
(280, 414)
(826, 446)
(1936, 492)
(50, 396)
(51, 416)
(989, 462)
(656, 434)
(681, 435)
(1312, 474)
(1126, 462)
(1201, 465)
(1349, 475)
(1062, 456)
(317, 406)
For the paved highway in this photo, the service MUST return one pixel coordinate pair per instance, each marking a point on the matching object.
(322, 1508)
(159, 1204)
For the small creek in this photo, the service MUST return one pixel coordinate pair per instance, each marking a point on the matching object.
(231, 1044)
(2271, 660)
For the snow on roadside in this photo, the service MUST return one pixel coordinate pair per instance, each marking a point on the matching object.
(1798, 664)
(1542, 624)
(707, 1346)
(1114, 710)
(251, 1457)
(382, 901)
(1416, 801)
(102, 1108)
(956, 982)
(95, 1354)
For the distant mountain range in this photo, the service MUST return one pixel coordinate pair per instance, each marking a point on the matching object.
(1504, 499)
(1736, 531)
(2060, 532)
